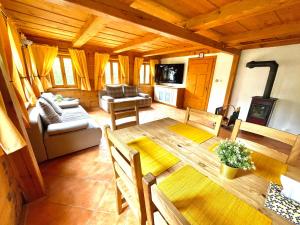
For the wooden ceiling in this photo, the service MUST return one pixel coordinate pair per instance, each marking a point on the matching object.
(156, 27)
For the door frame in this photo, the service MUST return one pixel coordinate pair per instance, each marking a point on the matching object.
(211, 78)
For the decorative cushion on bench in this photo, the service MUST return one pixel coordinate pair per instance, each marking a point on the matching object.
(47, 112)
(115, 91)
(130, 91)
(49, 98)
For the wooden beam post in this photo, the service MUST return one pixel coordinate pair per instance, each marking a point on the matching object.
(91, 27)
(235, 11)
(116, 9)
(22, 162)
(136, 42)
(232, 77)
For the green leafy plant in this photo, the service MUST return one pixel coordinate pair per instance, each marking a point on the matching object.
(235, 155)
(59, 98)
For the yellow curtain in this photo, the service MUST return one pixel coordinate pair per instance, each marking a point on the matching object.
(137, 66)
(42, 59)
(18, 61)
(33, 74)
(7, 66)
(99, 76)
(124, 65)
(79, 62)
(10, 138)
(152, 63)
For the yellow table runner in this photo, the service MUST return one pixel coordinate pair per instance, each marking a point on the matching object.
(201, 201)
(154, 158)
(190, 132)
(266, 167)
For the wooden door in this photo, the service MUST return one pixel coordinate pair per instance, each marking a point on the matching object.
(198, 82)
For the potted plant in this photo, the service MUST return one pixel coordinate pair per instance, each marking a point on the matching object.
(233, 156)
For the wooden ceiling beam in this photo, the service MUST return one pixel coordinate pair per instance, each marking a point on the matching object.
(158, 10)
(136, 42)
(170, 50)
(116, 9)
(269, 43)
(91, 27)
(265, 33)
(235, 11)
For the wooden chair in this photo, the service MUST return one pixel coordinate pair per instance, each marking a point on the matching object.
(203, 120)
(121, 110)
(127, 175)
(290, 139)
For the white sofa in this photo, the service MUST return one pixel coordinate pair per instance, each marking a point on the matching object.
(122, 93)
(77, 131)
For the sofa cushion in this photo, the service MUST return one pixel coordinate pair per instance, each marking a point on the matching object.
(76, 113)
(130, 91)
(60, 128)
(68, 104)
(47, 112)
(115, 91)
(50, 99)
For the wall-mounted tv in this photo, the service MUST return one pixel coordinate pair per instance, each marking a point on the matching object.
(169, 73)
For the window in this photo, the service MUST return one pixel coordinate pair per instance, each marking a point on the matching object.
(62, 72)
(145, 74)
(112, 72)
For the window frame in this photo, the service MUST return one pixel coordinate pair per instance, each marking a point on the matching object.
(63, 72)
(111, 61)
(144, 65)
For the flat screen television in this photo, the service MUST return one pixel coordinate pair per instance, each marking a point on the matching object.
(169, 73)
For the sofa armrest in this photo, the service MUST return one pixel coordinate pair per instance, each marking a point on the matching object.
(107, 98)
(144, 95)
(60, 128)
(102, 93)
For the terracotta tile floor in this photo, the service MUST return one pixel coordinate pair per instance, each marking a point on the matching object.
(79, 186)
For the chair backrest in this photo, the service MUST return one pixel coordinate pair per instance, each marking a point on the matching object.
(281, 136)
(121, 110)
(204, 120)
(127, 172)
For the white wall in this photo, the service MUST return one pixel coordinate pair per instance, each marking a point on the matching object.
(251, 82)
(220, 79)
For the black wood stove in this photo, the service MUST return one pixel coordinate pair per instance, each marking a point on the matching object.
(261, 107)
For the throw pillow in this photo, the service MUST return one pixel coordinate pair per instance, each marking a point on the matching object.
(130, 91)
(50, 100)
(115, 91)
(47, 113)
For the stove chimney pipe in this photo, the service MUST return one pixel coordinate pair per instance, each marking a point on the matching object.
(272, 74)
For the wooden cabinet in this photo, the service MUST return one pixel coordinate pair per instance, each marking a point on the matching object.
(170, 95)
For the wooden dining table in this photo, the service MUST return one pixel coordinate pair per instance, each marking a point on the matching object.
(247, 186)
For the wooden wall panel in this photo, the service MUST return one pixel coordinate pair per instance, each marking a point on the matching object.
(10, 195)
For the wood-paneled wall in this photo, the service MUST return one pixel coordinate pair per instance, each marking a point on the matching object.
(10, 195)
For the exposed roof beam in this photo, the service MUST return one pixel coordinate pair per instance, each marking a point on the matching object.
(91, 27)
(172, 50)
(156, 9)
(235, 11)
(270, 43)
(153, 24)
(265, 33)
(136, 42)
